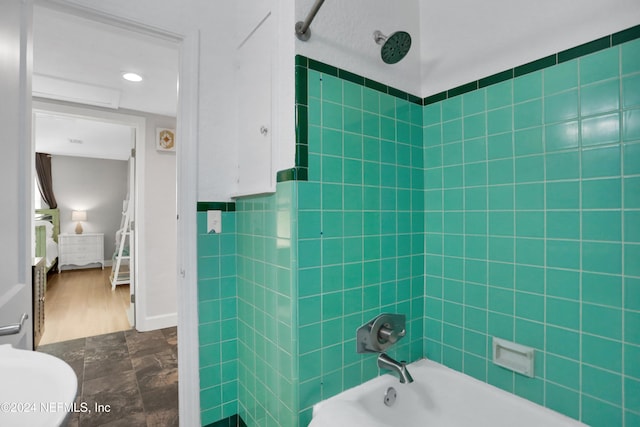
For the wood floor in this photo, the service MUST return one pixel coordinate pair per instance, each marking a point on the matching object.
(80, 303)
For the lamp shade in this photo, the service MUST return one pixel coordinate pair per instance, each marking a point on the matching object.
(78, 215)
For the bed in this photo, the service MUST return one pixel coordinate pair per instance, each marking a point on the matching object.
(47, 228)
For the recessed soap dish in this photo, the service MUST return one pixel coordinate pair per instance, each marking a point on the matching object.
(517, 357)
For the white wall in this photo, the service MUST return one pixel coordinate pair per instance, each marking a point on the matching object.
(96, 185)
(160, 232)
(466, 40)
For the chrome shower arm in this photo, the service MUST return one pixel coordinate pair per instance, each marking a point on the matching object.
(302, 28)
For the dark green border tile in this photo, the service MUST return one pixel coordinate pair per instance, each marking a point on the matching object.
(584, 49)
(372, 84)
(349, 76)
(232, 421)
(322, 67)
(301, 85)
(435, 98)
(415, 99)
(302, 155)
(462, 89)
(216, 206)
(495, 78)
(397, 93)
(302, 60)
(625, 35)
(293, 174)
(536, 65)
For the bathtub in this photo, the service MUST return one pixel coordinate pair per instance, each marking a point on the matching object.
(438, 397)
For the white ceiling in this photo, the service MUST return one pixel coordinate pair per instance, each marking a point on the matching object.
(82, 61)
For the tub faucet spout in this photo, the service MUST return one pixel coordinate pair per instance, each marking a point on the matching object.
(386, 362)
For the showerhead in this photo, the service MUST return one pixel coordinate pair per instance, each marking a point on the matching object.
(395, 47)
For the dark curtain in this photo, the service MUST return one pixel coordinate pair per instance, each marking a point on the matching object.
(45, 183)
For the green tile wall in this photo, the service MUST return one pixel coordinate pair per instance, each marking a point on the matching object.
(360, 227)
(267, 335)
(218, 323)
(532, 212)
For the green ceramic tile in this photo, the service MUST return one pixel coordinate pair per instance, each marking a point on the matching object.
(530, 224)
(603, 321)
(563, 283)
(530, 279)
(530, 334)
(452, 131)
(600, 97)
(601, 194)
(563, 254)
(563, 165)
(595, 412)
(601, 162)
(529, 196)
(530, 388)
(563, 225)
(631, 159)
(475, 174)
(500, 325)
(475, 199)
(561, 77)
(499, 120)
(452, 108)
(529, 169)
(602, 384)
(500, 95)
(501, 249)
(501, 197)
(601, 352)
(600, 66)
(475, 150)
(560, 107)
(561, 136)
(631, 91)
(473, 102)
(564, 313)
(630, 57)
(601, 130)
(501, 223)
(527, 87)
(563, 342)
(528, 141)
(475, 223)
(474, 126)
(602, 257)
(500, 377)
(370, 100)
(527, 114)
(452, 154)
(500, 171)
(500, 146)
(352, 94)
(501, 300)
(632, 193)
(602, 225)
(371, 124)
(632, 326)
(632, 226)
(563, 400)
(530, 251)
(631, 125)
(529, 306)
(565, 372)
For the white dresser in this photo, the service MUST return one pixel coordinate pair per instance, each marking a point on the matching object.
(80, 249)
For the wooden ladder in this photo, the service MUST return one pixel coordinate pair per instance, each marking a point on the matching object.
(120, 273)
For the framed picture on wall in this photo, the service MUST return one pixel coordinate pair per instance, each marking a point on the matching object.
(165, 139)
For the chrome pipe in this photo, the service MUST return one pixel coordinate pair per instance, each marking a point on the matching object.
(302, 28)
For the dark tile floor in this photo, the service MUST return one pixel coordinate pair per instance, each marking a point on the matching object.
(134, 373)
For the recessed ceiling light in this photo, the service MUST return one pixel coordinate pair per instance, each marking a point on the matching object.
(132, 77)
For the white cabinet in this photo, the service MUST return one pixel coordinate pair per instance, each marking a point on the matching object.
(80, 249)
(255, 106)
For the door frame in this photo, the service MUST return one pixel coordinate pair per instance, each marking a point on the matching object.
(186, 151)
(138, 124)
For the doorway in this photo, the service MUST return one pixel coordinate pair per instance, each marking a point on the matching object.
(93, 171)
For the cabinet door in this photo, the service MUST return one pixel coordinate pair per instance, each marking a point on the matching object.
(255, 174)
